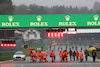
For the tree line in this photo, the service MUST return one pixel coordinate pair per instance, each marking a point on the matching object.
(7, 7)
(35, 9)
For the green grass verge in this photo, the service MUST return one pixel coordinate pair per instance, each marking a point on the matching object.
(98, 57)
(5, 59)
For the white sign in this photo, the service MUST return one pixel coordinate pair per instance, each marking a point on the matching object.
(38, 48)
(71, 31)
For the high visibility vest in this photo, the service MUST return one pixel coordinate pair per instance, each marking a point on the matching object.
(52, 54)
(34, 54)
(31, 54)
(40, 54)
(61, 54)
(81, 54)
(66, 53)
(45, 55)
(77, 54)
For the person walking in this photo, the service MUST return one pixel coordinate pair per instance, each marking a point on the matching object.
(31, 57)
(77, 54)
(40, 56)
(66, 55)
(36, 56)
(74, 54)
(86, 54)
(61, 55)
(45, 56)
(81, 56)
(70, 52)
(94, 55)
(52, 54)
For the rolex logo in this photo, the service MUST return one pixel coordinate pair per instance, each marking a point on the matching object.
(39, 18)
(96, 17)
(67, 17)
(10, 18)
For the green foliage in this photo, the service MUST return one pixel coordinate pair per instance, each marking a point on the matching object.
(98, 57)
(26, 52)
(90, 53)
